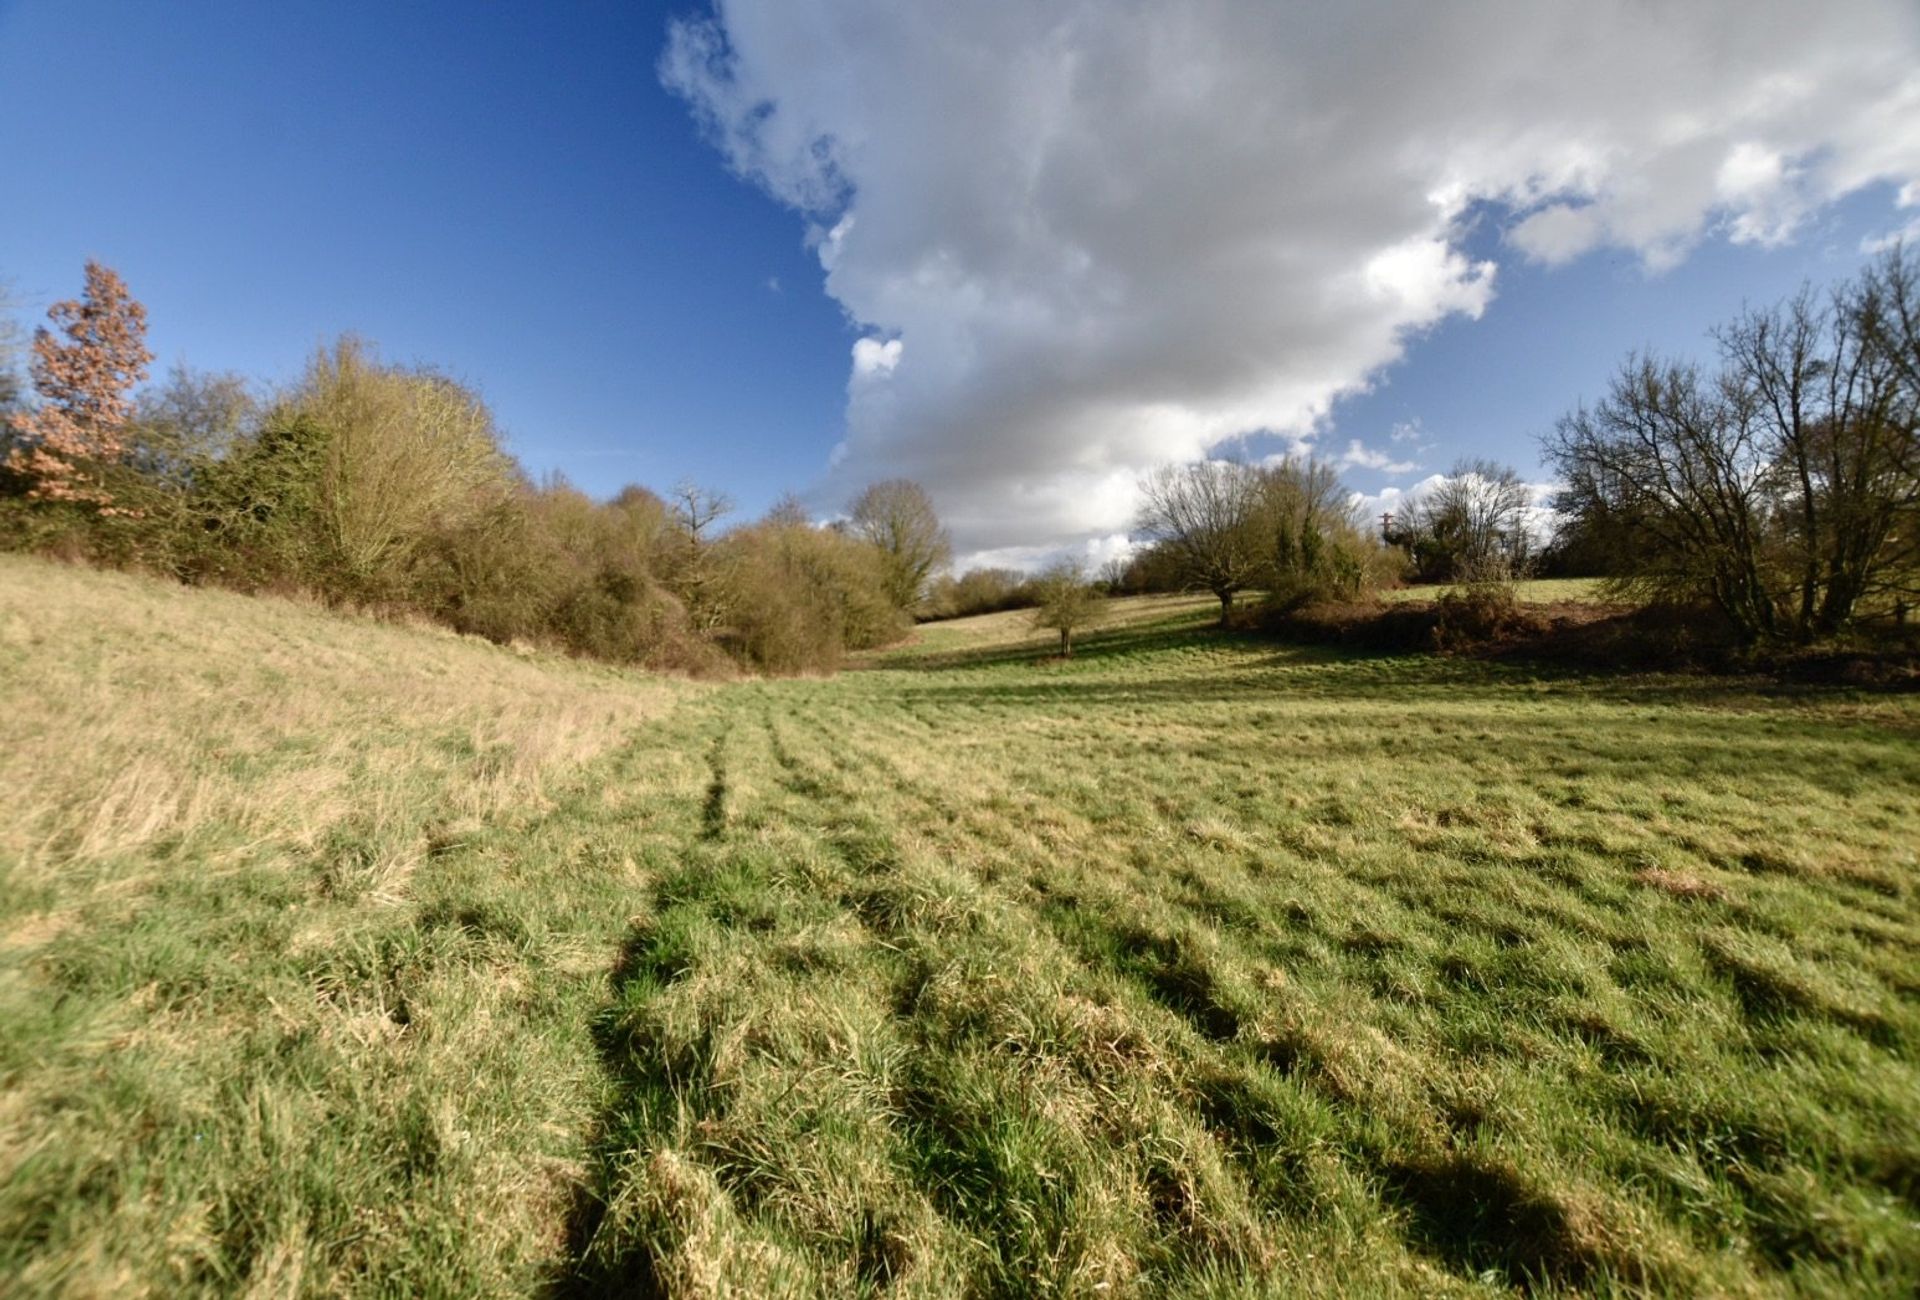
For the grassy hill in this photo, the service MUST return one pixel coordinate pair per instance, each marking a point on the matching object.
(337, 957)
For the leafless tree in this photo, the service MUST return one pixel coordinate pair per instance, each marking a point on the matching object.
(1474, 522)
(1207, 516)
(1068, 602)
(695, 569)
(898, 518)
(1785, 487)
(1832, 386)
(193, 418)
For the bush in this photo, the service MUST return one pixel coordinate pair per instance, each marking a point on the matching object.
(351, 480)
(801, 597)
(1475, 613)
(978, 591)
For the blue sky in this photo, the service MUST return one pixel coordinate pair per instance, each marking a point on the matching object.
(638, 278)
(514, 199)
(1553, 336)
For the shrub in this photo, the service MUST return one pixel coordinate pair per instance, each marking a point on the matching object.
(978, 591)
(802, 596)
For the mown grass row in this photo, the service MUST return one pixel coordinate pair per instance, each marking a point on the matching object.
(1156, 973)
(1195, 966)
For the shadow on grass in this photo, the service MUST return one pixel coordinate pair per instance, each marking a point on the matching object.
(1481, 1217)
(1097, 645)
(608, 1257)
(1251, 666)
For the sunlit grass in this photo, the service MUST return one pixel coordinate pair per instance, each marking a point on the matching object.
(1012, 631)
(1529, 591)
(1195, 965)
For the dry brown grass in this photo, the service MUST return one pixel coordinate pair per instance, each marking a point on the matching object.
(144, 720)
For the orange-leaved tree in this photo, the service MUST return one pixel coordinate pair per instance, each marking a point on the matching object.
(84, 381)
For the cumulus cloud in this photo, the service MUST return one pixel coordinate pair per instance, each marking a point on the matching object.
(873, 358)
(1087, 237)
(1093, 553)
(1360, 456)
(1908, 234)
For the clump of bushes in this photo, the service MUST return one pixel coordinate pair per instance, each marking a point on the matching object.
(802, 596)
(979, 591)
(388, 488)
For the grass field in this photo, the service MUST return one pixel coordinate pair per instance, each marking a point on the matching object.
(341, 958)
(1530, 591)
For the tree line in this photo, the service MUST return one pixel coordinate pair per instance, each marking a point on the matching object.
(1773, 499)
(1777, 495)
(387, 487)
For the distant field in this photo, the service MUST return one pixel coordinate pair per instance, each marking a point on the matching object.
(1533, 591)
(330, 963)
(1012, 631)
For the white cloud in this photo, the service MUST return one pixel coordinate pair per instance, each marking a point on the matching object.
(1908, 234)
(1109, 234)
(1559, 233)
(1360, 456)
(873, 357)
(1092, 552)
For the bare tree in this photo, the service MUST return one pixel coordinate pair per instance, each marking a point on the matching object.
(1833, 404)
(1473, 524)
(1207, 517)
(193, 418)
(695, 567)
(897, 516)
(1068, 602)
(1785, 488)
(1669, 471)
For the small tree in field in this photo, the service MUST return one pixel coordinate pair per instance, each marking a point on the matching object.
(1068, 603)
(84, 382)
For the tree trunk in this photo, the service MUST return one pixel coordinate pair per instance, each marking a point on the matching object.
(1066, 643)
(1226, 607)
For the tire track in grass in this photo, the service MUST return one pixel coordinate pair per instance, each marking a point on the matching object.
(1055, 1131)
(751, 1154)
(1187, 1206)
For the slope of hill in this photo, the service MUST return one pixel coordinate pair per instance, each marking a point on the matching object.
(1195, 965)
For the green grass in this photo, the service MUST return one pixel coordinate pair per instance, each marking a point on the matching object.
(1011, 633)
(1195, 965)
